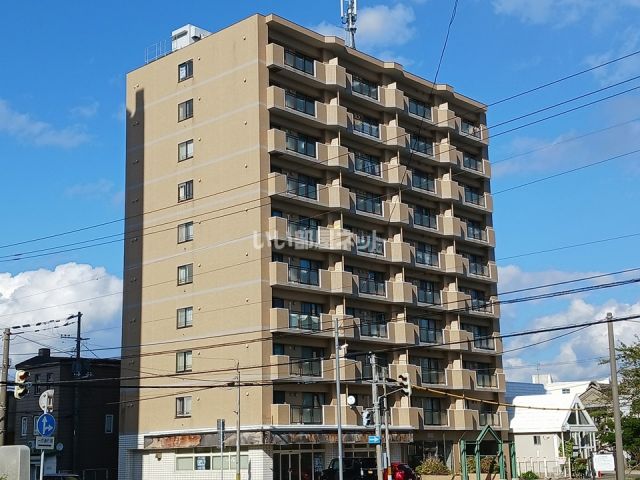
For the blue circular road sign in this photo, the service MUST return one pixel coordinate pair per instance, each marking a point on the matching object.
(46, 424)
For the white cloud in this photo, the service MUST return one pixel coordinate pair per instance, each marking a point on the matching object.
(68, 288)
(625, 42)
(512, 277)
(589, 343)
(379, 26)
(30, 130)
(85, 111)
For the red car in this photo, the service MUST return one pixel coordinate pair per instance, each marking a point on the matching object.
(402, 471)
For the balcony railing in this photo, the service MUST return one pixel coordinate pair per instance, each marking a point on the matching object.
(478, 269)
(469, 129)
(373, 329)
(425, 220)
(371, 287)
(429, 335)
(492, 419)
(304, 146)
(433, 377)
(420, 109)
(304, 321)
(472, 163)
(299, 62)
(428, 296)
(486, 380)
(371, 244)
(306, 367)
(484, 343)
(303, 232)
(367, 165)
(363, 87)
(367, 128)
(302, 188)
(306, 415)
(300, 103)
(480, 305)
(473, 196)
(369, 205)
(476, 232)
(304, 275)
(424, 182)
(434, 417)
(425, 257)
(421, 145)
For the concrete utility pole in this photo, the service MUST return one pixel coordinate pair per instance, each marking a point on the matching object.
(616, 400)
(77, 373)
(238, 422)
(387, 442)
(376, 413)
(338, 402)
(3, 384)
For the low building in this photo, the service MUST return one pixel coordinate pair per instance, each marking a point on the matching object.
(543, 424)
(91, 429)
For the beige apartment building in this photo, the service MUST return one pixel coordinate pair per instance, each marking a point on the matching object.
(277, 181)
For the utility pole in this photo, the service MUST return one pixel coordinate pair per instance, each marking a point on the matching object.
(616, 400)
(387, 443)
(338, 402)
(376, 412)
(238, 422)
(3, 384)
(77, 373)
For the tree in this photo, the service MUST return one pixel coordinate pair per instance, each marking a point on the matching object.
(630, 436)
(629, 370)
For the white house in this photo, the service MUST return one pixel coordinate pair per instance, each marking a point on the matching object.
(540, 432)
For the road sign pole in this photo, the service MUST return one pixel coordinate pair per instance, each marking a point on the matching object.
(44, 410)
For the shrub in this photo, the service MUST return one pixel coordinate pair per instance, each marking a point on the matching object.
(432, 466)
(580, 466)
(529, 476)
(487, 465)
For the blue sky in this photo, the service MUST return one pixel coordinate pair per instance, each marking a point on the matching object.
(62, 145)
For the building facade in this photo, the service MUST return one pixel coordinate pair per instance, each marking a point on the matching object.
(86, 435)
(278, 182)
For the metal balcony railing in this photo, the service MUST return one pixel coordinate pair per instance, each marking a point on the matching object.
(368, 128)
(425, 257)
(432, 417)
(302, 145)
(306, 367)
(300, 103)
(486, 380)
(492, 419)
(424, 182)
(469, 129)
(306, 415)
(304, 275)
(302, 188)
(303, 231)
(429, 335)
(428, 296)
(304, 321)
(373, 329)
(367, 165)
(472, 163)
(371, 287)
(478, 269)
(369, 205)
(433, 377)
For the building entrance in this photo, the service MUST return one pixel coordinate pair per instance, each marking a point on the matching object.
(297, 465)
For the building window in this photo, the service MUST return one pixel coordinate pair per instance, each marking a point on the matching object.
(37, 388)
(185, 110)
(424, 216)
(363, 162)
(423, 181)
(183, 406)
(35, 425)
(183, 361)
(108, 423)
(566, 391)
(364, 87)
(185, 150)
(24, 426)
(419, 108)
(366, 125)
(185, 70)
(301, 103)
(185, 191)
(185, 232)
(49, 379)
(536, 440)
(185, 317)
(368, 202)
(300, 143)
(298, 61)
(420, 144)
(185, 274)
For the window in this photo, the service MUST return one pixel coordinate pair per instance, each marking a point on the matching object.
(367, 241)
(185, 70)
(368, 202)
(185, 274)
(473, 195)
(367, 163)
(372, 324)
(37, 388)
(24, 426)
(419, 108)
(49, 379)
(433, 411)
(185, 232)
(185, 110)
(477, 264)
(420, 144)
(183, 406)
(482, 336)
(35, 425)
(300, 143)
(424, 181)
(302, 186)
(299, 102)
(427, 254)
(298, 61)
(478, 300)
(185, 317)
(278, 397)
(471, 162)
(303, 228)
(306, 272)
(566, 391)
(307, 318)
(108, 423)
(185, 150)
(536, 440)
(429, 332)
(185, 191)
(364, 87)
(369, 281)
(432, 370)
(183, 361)
(424, 216)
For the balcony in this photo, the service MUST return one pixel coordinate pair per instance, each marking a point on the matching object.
(281, 319)
(306, 415)
(492, 419)
(488, 381)
(335, 239)
(403, 332)
(373, 329)
(320, 155)
(350, 370)
(292, 276)
(406, 417)
(478, 166)
(452, 263)
(368, 286)
(431, 418)
(328, 75)
(350, 416)
(320, 115)
(327, 196)
(398, 252)
(413, 371)
(284, 367)
(476, 133)
(460, 378)
(447, 155)
(486, 271)
(450, 190)
(454, 300)
(463, 419)
(394, 136)
(433, 377)
(479, 235)
(443, 117)
(482, 200)
(430, 336)
(427, 297)
(385, 211)
(394, 173)
(486, 344)
(458, 340)
(451, 226)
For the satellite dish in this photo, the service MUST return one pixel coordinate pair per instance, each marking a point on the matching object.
(351, 400)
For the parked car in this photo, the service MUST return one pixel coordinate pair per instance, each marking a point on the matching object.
(355, 468)
(402, 471)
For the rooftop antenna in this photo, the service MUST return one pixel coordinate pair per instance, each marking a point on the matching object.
(349, 20)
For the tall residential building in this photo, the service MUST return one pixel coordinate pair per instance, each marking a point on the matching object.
(278, 181)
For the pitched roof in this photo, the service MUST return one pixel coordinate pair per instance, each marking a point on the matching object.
(537, 420)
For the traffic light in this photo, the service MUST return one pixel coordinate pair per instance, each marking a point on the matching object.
(367, 418)
(405, 384)
(21, 388)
